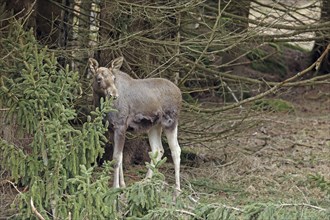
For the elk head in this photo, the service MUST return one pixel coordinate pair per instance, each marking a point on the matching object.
(104, 78)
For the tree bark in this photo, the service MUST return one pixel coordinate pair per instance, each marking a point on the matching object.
(239, 8)
(21, 9)
(320, 45)
(48, 20)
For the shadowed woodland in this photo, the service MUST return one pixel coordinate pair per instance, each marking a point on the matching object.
(254, 129)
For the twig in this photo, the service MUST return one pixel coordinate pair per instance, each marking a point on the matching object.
(186, 212)
(35, 211)
(209, 42)
(234, 208)
(303, 28)
(227, 164)
(303, 204)
(29, 12)
(13, 184)
(231, 92)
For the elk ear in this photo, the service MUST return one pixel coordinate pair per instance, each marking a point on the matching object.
(117, 63)
(93, 65)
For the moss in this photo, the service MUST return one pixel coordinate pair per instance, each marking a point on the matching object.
(188, 155)
(272, 64)
(188, 98)
(275, 105)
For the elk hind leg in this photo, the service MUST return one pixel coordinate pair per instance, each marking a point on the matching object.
(155, 141)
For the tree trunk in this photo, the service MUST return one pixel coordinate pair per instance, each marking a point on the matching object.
(83, 34)
(320, 45)
(21, 9)
(108, 32)
(48, 21)
(54, 24)
(238, 8)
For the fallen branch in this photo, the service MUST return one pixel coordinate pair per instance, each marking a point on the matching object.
(187, 213)
(11, 183)
(316, 64)
(35, 211)
(303, 204)
(227, 76)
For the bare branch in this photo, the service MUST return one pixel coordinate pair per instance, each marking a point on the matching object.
(35, 211)
(261, 95)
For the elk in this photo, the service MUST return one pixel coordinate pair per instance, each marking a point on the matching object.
(142, 105)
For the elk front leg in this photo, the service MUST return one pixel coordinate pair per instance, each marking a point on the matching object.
(119, 141)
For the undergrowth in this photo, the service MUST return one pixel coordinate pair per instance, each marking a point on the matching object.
(319, 181)
(273, 105)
